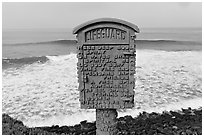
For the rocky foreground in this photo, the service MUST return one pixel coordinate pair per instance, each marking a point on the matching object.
(184, 122)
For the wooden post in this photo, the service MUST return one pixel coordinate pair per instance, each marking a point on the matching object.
(106, 123)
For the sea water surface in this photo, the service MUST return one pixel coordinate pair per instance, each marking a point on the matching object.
(40, 75)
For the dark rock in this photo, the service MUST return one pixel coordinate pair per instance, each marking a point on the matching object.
(128, 118)
(189, 132)
(144, 124)
(121, 119)
(84, 125)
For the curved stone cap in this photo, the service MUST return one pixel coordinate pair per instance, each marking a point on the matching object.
(106, 20)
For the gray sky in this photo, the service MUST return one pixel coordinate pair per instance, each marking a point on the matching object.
(69, 15)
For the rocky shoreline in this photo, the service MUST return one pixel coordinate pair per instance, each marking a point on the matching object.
(183, 122)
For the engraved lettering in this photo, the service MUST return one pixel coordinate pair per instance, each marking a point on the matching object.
(105, 33)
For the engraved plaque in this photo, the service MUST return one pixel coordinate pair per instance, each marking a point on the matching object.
(106, 63)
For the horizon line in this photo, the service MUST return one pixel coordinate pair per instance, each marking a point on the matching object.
(4, 29)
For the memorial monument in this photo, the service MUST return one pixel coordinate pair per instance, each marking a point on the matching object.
(106, 68)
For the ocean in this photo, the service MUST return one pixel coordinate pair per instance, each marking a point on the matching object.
(39, 74)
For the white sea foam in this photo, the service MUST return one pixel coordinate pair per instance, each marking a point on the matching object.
(46, 94)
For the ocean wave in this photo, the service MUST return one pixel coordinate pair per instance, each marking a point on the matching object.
(47, 94)
(60, 41)
(17, 62)
(139, 41)
(168, 41)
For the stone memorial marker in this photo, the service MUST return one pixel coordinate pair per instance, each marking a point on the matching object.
(106, 68)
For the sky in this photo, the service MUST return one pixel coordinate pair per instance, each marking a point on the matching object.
(68, 14)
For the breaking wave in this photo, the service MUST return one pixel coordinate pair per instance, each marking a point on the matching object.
(45, 94)
(22, 61)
